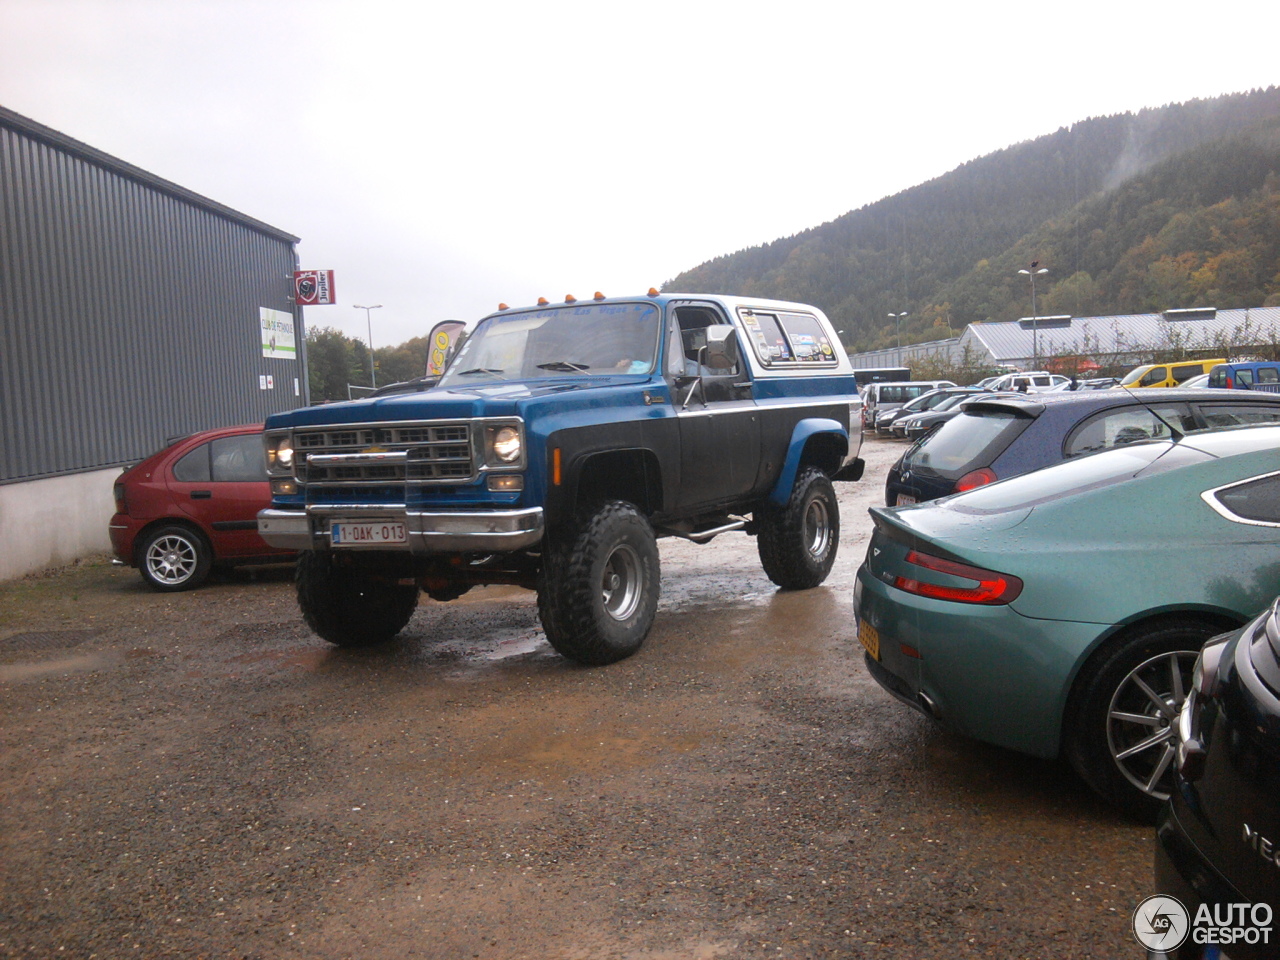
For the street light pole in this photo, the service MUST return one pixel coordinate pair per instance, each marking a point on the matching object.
(373, 377)
(898, 317)
(1032, 273)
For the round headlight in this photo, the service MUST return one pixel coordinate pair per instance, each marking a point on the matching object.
(284, 456)
(506, 444)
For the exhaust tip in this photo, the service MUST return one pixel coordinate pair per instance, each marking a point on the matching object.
(930, 707)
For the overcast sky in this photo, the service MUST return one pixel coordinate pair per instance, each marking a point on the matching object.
(444, 156)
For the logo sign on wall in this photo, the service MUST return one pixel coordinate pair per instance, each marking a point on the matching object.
(313, 288)
(277, 334)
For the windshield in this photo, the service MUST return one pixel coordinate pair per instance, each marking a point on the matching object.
(570, 340)
(949, 402)
(1133, 376)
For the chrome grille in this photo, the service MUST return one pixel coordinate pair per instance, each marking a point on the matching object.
(414, 453)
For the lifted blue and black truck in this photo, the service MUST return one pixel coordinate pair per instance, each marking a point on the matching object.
(560, 443)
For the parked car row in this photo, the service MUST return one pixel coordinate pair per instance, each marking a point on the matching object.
(1088, 594)
(998, 436)
(889, 417)
(877, 398)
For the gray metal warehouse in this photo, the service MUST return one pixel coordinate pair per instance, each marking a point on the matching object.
(132, 311)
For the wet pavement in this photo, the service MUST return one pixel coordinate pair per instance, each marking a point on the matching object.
(197, 775)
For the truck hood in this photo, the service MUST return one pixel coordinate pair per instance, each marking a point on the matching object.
(485, 399)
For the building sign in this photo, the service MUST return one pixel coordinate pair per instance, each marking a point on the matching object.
(277, 334)
(313, 288)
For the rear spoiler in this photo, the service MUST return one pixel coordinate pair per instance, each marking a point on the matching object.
(1016, 403)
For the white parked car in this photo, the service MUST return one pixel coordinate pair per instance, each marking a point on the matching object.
(1035, 381)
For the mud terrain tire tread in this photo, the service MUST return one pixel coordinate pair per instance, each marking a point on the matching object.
(786, 534)
(615, 546)
(350, 608)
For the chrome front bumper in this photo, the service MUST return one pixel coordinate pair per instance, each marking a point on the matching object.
(468, 531)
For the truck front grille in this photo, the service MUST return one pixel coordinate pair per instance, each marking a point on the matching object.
(428, 453)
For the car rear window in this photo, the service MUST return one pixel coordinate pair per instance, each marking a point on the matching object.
(965, 443)
(1073, 477)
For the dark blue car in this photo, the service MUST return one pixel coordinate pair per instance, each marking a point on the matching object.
(1003, 436)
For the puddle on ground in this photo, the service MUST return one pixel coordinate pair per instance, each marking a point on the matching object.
(17, 672)
(518, 646)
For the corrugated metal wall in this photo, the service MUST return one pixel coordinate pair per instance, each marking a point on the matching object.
(129, 313)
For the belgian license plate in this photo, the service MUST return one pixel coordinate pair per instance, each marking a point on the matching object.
(366, 532)
(905, 500)
(869, 637)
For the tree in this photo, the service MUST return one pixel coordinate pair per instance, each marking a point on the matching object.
(334, 360)
(404, 362)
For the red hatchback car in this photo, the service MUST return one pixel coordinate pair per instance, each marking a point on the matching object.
(192, 505)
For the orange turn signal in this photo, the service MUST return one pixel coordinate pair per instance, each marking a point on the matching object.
(555, 466)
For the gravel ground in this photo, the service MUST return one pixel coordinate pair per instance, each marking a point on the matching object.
(197, 775)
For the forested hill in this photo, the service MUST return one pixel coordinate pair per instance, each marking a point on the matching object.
(1169, 207)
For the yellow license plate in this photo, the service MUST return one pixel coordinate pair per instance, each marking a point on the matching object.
(869, 637)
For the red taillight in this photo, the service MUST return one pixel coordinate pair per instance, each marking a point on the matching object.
(122, 505)
(977, 478)
(992, 587)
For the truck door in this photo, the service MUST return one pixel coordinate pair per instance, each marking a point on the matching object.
(718, 421)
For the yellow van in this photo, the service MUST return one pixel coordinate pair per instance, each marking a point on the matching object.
(1167, 374)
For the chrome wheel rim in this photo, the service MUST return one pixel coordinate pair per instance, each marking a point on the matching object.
(171, 560)
(1142, 720)
(620, 586)
(817, 529)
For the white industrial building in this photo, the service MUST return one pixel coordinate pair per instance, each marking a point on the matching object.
(1130, 339)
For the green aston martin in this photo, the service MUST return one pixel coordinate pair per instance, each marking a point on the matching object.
(1061, 611)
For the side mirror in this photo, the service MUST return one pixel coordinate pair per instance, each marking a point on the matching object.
(721, 350)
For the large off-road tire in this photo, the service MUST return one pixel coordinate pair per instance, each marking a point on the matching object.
(173, 558)
(598, 591)
(349, 607)
(798, 542)
(1120, 732)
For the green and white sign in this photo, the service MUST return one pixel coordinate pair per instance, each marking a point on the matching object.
(277, 334)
